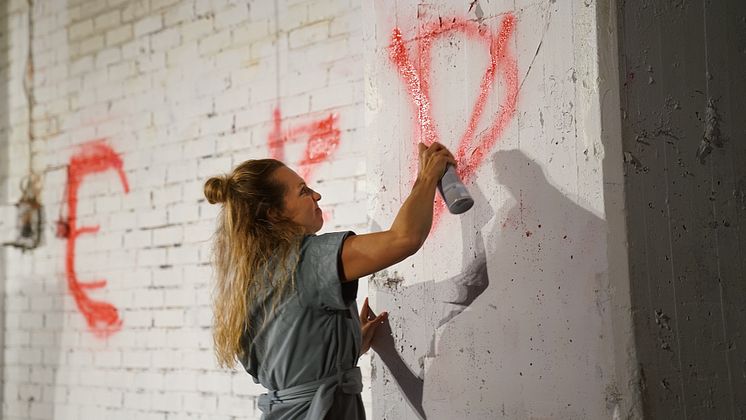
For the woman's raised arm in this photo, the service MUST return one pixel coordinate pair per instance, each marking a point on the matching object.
(365, 254)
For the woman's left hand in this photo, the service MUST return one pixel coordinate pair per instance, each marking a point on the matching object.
(369, 322)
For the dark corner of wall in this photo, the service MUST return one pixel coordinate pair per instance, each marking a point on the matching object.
(682, 96)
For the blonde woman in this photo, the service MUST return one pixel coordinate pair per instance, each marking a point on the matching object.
(284, 303)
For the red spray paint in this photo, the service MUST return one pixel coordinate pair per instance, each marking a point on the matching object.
(94, 157)
(322, 139)
(415, 73)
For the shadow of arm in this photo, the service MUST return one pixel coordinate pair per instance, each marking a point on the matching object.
(410, 384)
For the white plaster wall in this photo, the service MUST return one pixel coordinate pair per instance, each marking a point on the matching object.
(539, 341)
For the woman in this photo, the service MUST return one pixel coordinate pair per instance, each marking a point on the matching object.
(284, 303)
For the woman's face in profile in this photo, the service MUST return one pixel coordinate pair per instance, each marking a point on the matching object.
(300, 201)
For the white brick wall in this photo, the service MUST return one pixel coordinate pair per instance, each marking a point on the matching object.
(181, 89)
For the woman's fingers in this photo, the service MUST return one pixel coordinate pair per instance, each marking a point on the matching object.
(435, 149)
(369, 323)
(368, 317)
(365, 311)
(380, 318)
(434, 159)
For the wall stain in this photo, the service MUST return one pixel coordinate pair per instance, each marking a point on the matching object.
(712, 135)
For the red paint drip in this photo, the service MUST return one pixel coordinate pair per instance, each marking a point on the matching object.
(322, 139)
(415, 73)
(94, 157)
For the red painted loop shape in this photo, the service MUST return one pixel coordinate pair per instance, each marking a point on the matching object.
(415, 73)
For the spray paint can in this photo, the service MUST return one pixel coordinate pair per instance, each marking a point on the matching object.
(454, 192)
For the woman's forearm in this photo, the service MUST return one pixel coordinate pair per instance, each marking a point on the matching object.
(415, 217)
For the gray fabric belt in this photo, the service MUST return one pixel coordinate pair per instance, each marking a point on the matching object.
(320, 393)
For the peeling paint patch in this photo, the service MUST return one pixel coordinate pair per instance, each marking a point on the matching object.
(712, 135)
(630, 159)
(662, 319)
(383, 280)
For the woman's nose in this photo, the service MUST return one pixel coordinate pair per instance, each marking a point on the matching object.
(316, 196)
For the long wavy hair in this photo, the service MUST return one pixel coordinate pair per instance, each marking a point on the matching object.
(252, 249)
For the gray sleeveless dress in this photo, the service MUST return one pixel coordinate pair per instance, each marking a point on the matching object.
(306, 352)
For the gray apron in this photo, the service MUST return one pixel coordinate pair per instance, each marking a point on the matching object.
(306, 352)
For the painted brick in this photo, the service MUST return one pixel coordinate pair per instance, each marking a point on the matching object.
(147, 218)
(185, 254)
(165, 40)
(151, 62)
(108, 358)
(335, 192)
(138, 400)
(197, 29)
(123, 70)
(179, 298)
(215, 42)
(243, 385)
(169, 318)
(293, 16)
(199, 148)
(168, 359)
(216, 124)
(157, 5)
(251, 32)
(183, 54)
(232, 405)
(309, 34)
(108, 56)
(107, 20)
(136, 359)
(148, 25)
(351, 214)
(170, 401)
(200, 403)
(119, 35)
(181, 12)
(135, 9)
(182, 213)
(80, 29)
(232, 16)
(183, 90)
(171, 193)
(151, 257)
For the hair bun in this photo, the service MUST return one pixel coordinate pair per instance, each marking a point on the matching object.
(216, 189)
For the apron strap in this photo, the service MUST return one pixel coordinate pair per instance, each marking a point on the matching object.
(320, 392)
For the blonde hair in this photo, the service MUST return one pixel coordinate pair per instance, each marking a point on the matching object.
(249, 234)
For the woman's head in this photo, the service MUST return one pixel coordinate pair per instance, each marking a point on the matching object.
(266, 210)
(299, 201)
(265, 193)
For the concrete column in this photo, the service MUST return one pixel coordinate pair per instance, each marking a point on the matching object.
(682, 96)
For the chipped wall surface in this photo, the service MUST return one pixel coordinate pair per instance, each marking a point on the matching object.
(510, 310)
(683, 96)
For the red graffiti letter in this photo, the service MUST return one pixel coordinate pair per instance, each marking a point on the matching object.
(415, 73)
(322, 140)
(96, 156)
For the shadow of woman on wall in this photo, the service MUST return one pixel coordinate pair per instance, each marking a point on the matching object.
(536, 290)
